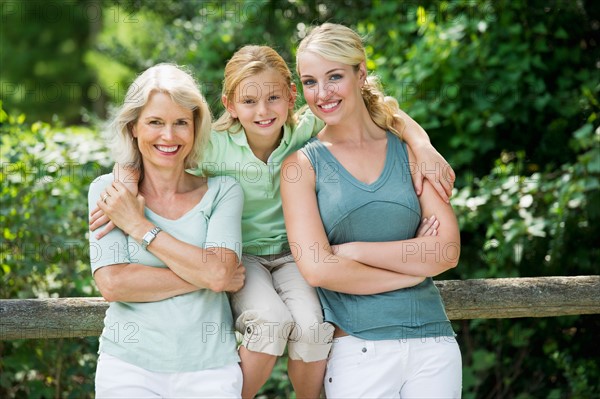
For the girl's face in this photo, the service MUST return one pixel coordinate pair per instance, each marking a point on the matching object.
(331, 89)
(261, 103)
(164, 131)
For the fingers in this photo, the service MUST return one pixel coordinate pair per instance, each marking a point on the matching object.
(433, 231)
(98, 217)
(447, 186)
(238, 279)
(451, 175)
(448, 180)
(111, 194)
(434, 224)
(418, 182)
(109, 227)
(118, 186)
(422, 227)
(95, 214)
(111, 190)
(240, 272)
(429, 227)
(98, 220)
(441, 190)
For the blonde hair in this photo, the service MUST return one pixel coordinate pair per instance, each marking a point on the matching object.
(183, 89)
(338, 43)
(249, 61)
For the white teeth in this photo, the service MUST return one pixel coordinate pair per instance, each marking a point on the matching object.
(167, 149)
(330, 105)
(266, 122)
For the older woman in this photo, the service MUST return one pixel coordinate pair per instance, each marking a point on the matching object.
(168, 331)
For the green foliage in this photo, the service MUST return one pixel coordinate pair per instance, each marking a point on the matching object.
(507, 90)
(46, 171)
(515, 225)
(52, 79)
(484, 77)
(481, 76)
(278, 386)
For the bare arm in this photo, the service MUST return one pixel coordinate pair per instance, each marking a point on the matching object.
(213, 268)
(427, 255)
(428, 163)
(120, 280)
(310, 247)
(132, 282)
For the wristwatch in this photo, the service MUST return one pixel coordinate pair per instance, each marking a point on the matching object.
(150, 236)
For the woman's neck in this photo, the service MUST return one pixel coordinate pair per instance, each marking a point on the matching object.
(357, 129)
(164, 182)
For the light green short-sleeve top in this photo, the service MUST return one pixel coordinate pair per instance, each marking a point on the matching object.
(188, 332)
(229, 154)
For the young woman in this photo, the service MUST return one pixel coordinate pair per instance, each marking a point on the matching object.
(352, 213)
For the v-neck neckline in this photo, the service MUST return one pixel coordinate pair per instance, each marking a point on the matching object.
(359, 183)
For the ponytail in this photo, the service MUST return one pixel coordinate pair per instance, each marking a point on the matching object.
(382, 109)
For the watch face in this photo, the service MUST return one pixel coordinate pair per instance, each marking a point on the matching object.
(150, 236)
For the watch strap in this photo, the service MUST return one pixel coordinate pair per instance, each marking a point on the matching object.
(150, 236)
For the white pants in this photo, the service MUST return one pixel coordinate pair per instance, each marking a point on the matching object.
(409, 368)
(118, 379)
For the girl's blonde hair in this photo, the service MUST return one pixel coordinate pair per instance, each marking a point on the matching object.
(338, 43)
(250, 61)
(183, 89)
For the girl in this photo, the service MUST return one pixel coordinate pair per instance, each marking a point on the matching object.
(257, 131)
(352, 199)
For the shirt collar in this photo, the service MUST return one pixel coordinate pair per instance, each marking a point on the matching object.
(240, 139)
(238, 136)
(287, 134)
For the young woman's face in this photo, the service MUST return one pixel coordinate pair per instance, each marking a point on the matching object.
(331, 89)
(164, 131)
(261, 103)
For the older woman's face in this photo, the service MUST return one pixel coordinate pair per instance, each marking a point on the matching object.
(164, 132)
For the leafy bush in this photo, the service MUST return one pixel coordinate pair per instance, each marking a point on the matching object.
(542, 224)
(499, 86)
(43, 46)
(484, 77)
(46, 171)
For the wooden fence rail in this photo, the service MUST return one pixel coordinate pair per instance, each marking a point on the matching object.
(464, 299)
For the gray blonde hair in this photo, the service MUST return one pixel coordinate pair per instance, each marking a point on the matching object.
(183, 89)
(338, 43)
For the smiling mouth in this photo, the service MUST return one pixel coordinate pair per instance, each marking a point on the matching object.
(329, 106)
(267, 122)
(168, 149)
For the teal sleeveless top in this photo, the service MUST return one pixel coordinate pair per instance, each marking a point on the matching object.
(386, 210)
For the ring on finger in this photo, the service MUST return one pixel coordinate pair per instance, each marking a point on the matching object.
(104, 197)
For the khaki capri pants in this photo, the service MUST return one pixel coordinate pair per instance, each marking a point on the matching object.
(276, 307)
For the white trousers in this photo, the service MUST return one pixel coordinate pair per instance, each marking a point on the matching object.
(406, 368)
(118, 379)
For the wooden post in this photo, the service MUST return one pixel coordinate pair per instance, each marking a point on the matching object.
(464, 299)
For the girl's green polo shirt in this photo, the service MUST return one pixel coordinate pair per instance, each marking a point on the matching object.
(228, 154)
